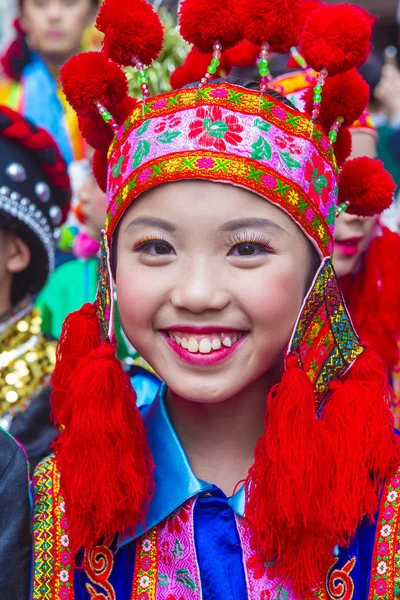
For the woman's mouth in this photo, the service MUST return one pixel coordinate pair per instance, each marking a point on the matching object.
(203, 348)
(348, 247)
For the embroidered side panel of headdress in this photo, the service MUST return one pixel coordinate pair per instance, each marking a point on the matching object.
(325, 342)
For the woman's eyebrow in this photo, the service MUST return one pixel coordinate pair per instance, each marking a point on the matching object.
(251, 222)
(152, 222)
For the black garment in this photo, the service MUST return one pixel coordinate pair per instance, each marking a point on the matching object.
(15, 535)
(34, 430)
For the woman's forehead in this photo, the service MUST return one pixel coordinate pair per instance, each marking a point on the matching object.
(217, 206)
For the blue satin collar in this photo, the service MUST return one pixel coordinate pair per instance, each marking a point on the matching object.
(175, 481)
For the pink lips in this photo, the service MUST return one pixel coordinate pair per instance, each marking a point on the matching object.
(214, 357)
(349, 247)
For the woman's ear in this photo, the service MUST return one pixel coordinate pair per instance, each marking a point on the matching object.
(18, 254)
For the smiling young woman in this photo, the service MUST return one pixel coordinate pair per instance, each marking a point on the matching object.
(257, 471)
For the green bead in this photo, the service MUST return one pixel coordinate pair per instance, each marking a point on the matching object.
(263, 61)
(212, 69)
(333, 136)
(318, 89)
(317, 98)
(263, 70)
(215, 61)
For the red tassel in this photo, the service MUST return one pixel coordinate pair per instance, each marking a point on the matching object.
(89, 78)
(80, 334)
(367, 186)
(209, 21)
(132, 28)
(345, 95)
(99, 168)
(102, 453)
(336, 38)
(313, 480)
(373, 297)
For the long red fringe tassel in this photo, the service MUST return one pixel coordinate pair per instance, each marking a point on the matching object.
(101, 453)
(314, 480)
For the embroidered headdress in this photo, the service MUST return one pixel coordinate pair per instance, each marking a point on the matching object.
(34, 195)
(324, 419)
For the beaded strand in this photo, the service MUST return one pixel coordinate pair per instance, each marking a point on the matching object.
(318, 93)
(107, 117)
(213, 67)
(263, 67)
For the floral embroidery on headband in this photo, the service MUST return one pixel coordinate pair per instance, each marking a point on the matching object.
(214, 129)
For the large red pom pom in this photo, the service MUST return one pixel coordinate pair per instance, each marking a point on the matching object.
(244, 54)
(345, 95)
(195, 67)
(205, 22)
(99, 168)
(179, 77)
(96, 132)
(367, 186)
(336, 37)
(343, 145)
(90, 77)
(275, 22)
(131, 28)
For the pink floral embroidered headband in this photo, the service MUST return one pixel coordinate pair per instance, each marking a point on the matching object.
(226, 133)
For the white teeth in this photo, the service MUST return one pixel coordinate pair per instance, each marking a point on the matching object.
(216, 344)
(205, 346)
(193, 345)
(227, 341)
(178, 340)
(184, 343)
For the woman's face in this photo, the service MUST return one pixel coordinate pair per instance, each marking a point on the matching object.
(210, 279)
(55, 27)
(353, 234)
(93, 204)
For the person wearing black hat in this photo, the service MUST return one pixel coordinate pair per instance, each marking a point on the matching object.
(34, 200)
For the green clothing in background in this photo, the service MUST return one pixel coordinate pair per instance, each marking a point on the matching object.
(70, 286)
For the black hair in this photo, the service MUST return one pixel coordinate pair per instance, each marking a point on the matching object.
(31, 280)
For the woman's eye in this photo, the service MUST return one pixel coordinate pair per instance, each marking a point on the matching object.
(156, 248)
(248, 249)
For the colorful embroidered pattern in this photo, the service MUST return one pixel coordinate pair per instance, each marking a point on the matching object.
(228, 134)
(259, 584)
(385, 573)
(145, 575)
(98, 564)
(325, 343)
(339, 584)
(246, 172)
(166, 564)
(53, 561)
(104, 302)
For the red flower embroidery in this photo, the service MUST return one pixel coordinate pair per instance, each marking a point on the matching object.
(256, 564)
(117, 168)
(179, 517)
(284, 141)
(320, 181)
(165, 554)
(170, 122)
(215, 130)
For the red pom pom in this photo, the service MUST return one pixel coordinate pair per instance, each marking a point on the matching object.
(132, 28)
(343, 145)
(90, 77)
(367, 186)
(100, 167)
(96, 132)
(179, 78)
(244, 54)
(346, 95)
(336, 37)
(202, 23)
(274, 22)
(195, 68)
